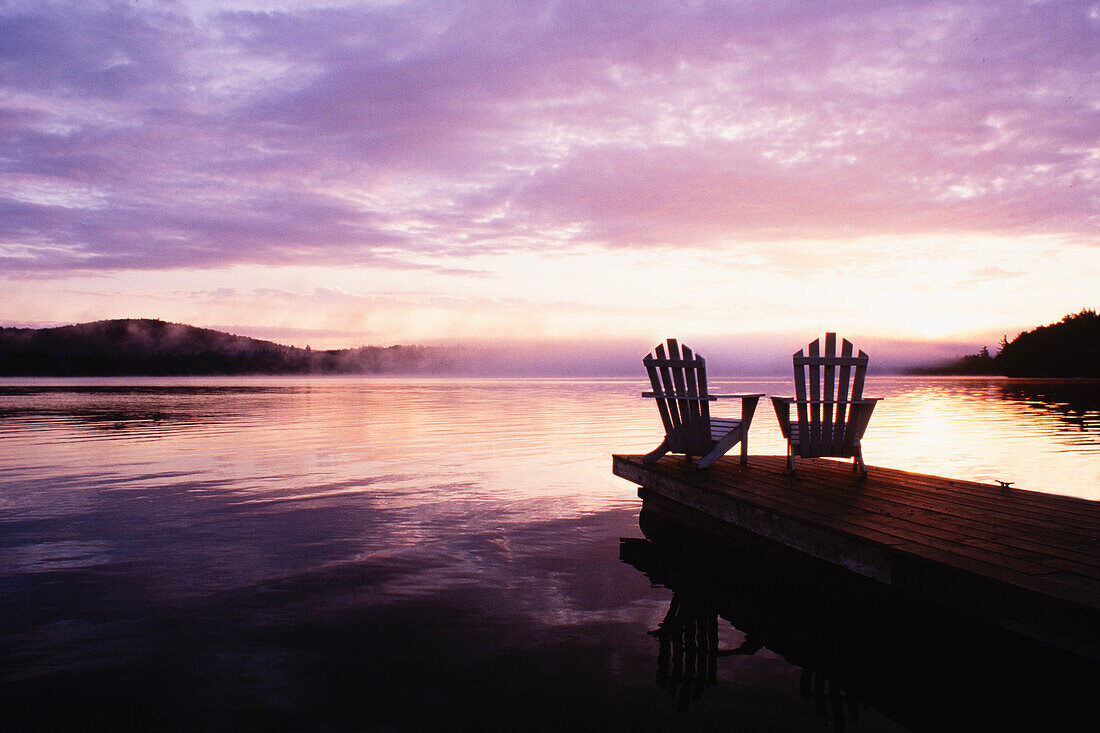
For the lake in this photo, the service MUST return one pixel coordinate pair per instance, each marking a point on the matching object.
(413, 554)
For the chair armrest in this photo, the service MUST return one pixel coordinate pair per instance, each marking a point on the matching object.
(860, 411)
(782, 406)
(674, 396)
(748, 406)
(860, 415)
(793, 401)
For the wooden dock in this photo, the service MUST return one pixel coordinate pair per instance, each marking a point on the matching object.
(1025, 561)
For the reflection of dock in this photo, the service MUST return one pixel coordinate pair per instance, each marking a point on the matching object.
(860, 645)
(1026, 561)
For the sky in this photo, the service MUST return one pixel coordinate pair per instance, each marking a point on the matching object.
(916, 175)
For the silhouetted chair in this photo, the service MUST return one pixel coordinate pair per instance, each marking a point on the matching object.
(679, 383)
(830, 418)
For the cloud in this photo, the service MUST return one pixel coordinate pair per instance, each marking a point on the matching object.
(151, 137)
(105, 51)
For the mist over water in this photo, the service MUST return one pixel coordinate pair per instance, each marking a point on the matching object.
(759, 354)
(372, 553)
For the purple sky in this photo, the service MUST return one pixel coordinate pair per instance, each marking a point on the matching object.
(377, 172)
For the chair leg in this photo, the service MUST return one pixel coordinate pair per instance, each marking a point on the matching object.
(790, 459)
(720, 448)
(654, 455)
(857, 463)
(710, 458)
(745, 449)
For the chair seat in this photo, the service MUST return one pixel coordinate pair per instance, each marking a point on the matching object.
(721, 427)
(796, 433)
(836, 450)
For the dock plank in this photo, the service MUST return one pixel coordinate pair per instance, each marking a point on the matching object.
(1071, 515)
(991, 530)
(998, 525)
(1029, 561)
(916, 523)
(1075, 514)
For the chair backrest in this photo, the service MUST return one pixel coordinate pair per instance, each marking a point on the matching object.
(679, 381)
(824, 384)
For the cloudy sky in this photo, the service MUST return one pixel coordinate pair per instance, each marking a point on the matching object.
(340, 173)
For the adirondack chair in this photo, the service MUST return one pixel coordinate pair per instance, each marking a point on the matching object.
(830, 418)
(679, 381)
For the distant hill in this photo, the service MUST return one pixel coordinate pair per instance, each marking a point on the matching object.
(1068, 348)
(133, 347)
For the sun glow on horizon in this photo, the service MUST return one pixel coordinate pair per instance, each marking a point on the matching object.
(599, 292)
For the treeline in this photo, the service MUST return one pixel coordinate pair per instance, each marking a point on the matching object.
(145, 347)
(1069, 348)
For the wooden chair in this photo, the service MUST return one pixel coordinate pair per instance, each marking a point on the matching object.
(830, 420)
(679, 383)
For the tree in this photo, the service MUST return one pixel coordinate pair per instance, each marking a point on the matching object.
(1069, 348)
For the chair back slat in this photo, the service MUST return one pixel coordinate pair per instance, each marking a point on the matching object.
(854, 432)
(801, 412)
(687, 426)
(667, 385)
(678, 378)
(828, 389)
(813, 375)
(655, 382)
(860, 375)
(694, 413)
(704, 405)
(842, 408)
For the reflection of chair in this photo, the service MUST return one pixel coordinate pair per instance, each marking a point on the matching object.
(679, 383)
(830, 421)
(687, 658)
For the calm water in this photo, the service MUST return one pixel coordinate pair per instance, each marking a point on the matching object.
(420, 554)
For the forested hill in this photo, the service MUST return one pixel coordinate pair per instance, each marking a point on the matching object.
(129, 347)
(1068, 348)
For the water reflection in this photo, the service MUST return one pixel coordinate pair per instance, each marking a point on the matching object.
(689, 649)
(858, 645)
(1075, 402)
(1040, 437)
(1043, 437)
(381, 553)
